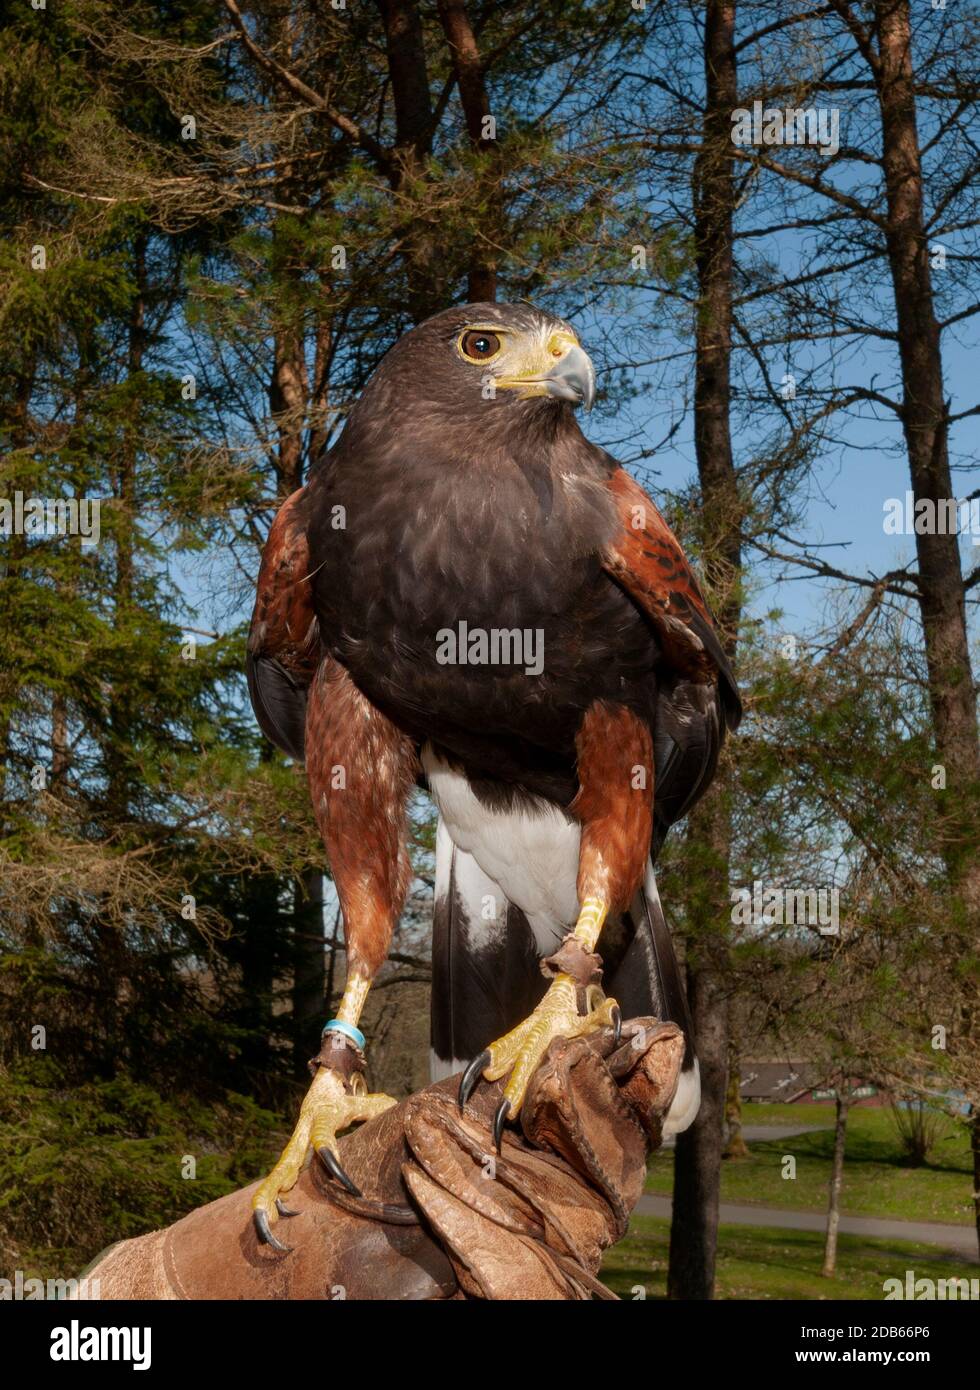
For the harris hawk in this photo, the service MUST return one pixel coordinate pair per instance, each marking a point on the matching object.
(469, 595)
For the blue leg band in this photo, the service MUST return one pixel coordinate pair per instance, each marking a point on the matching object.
(337, 1025)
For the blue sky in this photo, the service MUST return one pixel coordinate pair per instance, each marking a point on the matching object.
(847, 492)
(842, 499)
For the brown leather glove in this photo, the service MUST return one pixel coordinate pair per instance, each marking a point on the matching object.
(444, 1216)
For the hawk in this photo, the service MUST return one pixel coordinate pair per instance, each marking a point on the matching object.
(470, 596)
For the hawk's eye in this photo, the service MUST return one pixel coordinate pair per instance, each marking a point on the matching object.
(479, 345)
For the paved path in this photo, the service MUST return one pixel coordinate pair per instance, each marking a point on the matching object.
(961, 1239)
(758, 1133)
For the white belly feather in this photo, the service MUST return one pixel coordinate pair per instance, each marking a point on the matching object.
(532, 859)
(532, 856)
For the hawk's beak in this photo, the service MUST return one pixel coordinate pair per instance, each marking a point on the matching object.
(573, 379)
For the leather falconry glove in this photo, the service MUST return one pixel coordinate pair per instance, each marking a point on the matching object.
(442, 1215)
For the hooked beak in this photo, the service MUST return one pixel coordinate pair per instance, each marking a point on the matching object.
(573, 379)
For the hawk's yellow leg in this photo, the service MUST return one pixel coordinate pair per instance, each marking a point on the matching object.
(520, 1051)
(329, 1106)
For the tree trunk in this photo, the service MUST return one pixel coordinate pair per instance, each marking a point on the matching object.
(924, 422)
(289, 399)
(736, 1146)
(836, 1180)
(309, 980)
(471, 81)
(697, 1166)
(110, 945)
(13, 555)
(126, 546)
(408, 71)
(122, 714)
(259, 952)
(59, 739)
(320, 387)
(697, 1162)
(288, 393)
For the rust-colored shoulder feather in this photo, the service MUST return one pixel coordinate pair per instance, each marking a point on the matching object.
(284, 640)
(646, 558)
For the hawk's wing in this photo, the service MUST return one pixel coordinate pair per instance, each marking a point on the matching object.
(284, 639)
(646, 558)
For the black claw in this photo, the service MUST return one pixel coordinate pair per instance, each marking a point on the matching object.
(471, 1076)
(617, 1020)
(283, 1210)
(503, 1110)
(332, 1165)
(264, 1232)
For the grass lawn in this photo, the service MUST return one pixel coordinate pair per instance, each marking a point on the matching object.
(876, 1180)
(756, 1262)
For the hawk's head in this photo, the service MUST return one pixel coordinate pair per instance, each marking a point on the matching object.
(469, 357)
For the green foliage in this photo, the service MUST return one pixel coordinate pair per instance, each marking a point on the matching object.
(208, 308)
(148, 906)
(82, 1166)
(877, 1178)
(759, 1262)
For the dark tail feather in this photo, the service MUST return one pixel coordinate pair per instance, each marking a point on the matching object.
(646, 979)
(485, 973)
(279, 702)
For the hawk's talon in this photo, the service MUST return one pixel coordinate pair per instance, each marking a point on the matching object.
(328, 1108)
(617, 1023)
(332, 1164)
(499, 1120)
(522, 1050)
(263, 1230)
(467, 1082)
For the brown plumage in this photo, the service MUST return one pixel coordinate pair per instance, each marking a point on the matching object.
(462, 498)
